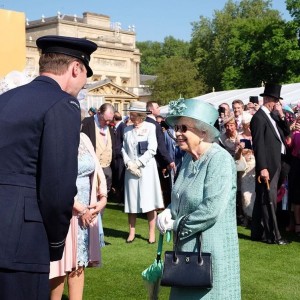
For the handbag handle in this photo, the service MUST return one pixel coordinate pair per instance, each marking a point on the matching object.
(199, 236)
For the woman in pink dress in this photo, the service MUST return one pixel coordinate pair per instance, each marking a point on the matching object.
(83, 242)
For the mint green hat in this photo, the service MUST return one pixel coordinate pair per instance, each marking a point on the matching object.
(194, 109)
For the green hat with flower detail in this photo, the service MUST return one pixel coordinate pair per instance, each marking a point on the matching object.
(194, 109)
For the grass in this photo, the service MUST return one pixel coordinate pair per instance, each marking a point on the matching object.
(267, 271)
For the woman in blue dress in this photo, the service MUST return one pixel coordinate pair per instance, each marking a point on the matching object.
(203, 198)
(82, 247)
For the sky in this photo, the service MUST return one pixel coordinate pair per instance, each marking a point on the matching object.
(153, 20)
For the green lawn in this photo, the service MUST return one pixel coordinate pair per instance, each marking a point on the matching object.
(267, 271)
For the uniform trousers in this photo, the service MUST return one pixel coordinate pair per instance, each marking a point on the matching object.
(19, 285)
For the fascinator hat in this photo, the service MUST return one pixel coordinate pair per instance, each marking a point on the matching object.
(204, 113)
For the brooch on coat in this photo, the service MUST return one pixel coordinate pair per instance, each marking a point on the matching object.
(142, 132)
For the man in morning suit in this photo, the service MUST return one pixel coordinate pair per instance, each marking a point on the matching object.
(163, 159)
(38, 166)
(102, 137)
(118, 166)
(268, 128)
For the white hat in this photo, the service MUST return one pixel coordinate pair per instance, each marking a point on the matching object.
(137, 106)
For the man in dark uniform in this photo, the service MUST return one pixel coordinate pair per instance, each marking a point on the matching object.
(38, 166)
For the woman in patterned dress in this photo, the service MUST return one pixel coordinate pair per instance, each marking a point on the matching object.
(203, 198)
(83, 242)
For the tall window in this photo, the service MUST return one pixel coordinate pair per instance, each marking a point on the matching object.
(125, 106)
(116, 106)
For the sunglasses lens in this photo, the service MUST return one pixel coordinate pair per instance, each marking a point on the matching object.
(181, 128)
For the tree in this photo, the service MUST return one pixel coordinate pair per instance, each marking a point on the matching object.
(176, 77)
(245, 43)
(153, 53)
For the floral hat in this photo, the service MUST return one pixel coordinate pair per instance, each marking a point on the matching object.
(194, 109)
(12, 80)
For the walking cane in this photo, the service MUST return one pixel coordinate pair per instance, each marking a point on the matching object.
(272, 209)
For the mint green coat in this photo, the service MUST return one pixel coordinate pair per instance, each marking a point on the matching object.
(205, 191)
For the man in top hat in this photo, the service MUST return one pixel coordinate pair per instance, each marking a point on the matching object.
(38, 166)
(268, 128)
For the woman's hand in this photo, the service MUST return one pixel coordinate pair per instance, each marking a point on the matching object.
(98, 207)
(86, 217)
(164, 221)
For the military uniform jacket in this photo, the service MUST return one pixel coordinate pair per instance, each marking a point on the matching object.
(39, 138)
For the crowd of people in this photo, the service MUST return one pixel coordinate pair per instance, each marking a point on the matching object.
(262, 139)
(56, 178)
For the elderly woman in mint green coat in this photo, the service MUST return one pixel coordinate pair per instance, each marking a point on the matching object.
(204, 195)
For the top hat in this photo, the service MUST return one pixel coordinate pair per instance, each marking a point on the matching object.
(194, 109)
(75, 47)
(253, 99)
(272, 90)
(137, 106)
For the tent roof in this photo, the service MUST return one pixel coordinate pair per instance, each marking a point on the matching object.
(289, 92)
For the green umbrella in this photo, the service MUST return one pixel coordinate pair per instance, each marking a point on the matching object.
(153, 273)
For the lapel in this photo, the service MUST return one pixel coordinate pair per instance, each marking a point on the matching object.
(270, 125)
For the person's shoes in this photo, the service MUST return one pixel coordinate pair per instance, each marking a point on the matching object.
(282, 242)
(278, 242)
(128, 241)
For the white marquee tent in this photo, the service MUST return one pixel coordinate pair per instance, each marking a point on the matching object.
(289, 92)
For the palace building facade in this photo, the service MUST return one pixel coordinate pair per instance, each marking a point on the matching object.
(116, 62)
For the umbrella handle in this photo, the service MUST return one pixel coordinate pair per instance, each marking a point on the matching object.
(160, 244)
(267, 182)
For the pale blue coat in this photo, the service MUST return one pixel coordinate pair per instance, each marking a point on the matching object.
(141, 194)
(205, 191)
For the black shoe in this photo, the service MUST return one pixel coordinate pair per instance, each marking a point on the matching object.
(282, 242)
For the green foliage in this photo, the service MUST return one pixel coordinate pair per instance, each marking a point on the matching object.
(176, 77)
(154, 53)
(268, 272)
(244, 44)
(293, 6)
(151, 56)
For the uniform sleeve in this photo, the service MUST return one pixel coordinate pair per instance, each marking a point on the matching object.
(216, 196)
(58, 171)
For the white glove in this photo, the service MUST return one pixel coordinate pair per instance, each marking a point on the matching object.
(133, 168)
(164, 221)
(138, 163)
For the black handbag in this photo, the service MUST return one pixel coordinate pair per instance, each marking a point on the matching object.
(142, 147)
(187, 269)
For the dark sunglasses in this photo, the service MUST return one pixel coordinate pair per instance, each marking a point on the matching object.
(182, 128)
